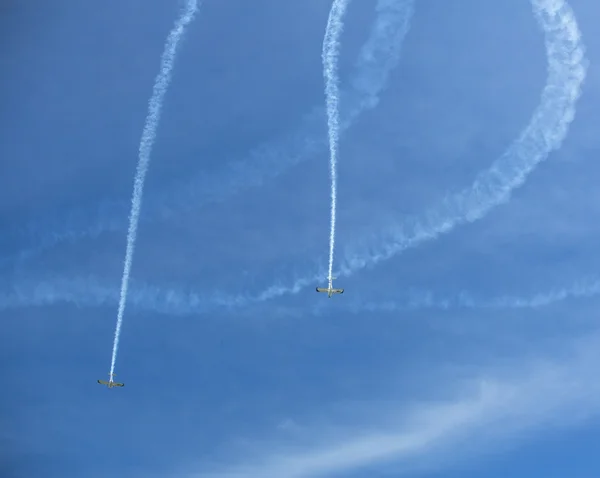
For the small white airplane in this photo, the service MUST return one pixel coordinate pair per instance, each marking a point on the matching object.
(330, 290)
(111, 383)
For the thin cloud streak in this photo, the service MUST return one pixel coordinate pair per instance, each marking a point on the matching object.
(425, 299)
(89, 292)
(493, 409)
(546, 131)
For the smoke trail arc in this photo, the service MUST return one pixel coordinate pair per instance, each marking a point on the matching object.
(567, 67)
(545, 132)
(155, 103)
(376, 59)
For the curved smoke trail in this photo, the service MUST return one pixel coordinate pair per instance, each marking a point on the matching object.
(377, 58)
(330, 55)
(545, 132)
(148, 136)
(567, 68)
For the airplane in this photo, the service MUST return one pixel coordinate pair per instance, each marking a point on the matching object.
(111, 383)
(330, 290)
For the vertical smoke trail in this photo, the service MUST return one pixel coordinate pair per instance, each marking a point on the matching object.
(148, 136)
(330, 57)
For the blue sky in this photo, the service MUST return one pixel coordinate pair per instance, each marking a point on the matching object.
(466, 342)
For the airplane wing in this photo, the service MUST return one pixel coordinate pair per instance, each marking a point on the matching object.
(338, 291)
(103, 382)
(322, 289)
(116, 384)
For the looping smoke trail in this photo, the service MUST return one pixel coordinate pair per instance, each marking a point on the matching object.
(566, 72)
(148, 136)
(376, 59)
(89, 292)
(567, 68)
(330, 54)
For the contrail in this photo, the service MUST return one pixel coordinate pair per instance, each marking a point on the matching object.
(148, 136)
(330, 54)
(89, 292)
(424, 299)
(566, 72)
(567, 68)
(377, 58)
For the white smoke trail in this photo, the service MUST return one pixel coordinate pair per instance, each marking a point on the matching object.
(546, 131)
(567, 68)
(330, 54)
(423, 299)
(377, 58)
(89, 292)
(148, 136)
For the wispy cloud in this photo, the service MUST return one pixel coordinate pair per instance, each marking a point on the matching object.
(496, 405)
